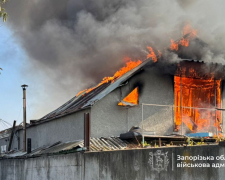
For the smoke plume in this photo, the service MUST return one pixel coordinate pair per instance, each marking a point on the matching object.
(72, 45)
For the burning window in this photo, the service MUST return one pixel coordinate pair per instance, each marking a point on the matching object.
(131, 99)
(196, 101)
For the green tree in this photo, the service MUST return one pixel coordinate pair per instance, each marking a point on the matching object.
(3, 14)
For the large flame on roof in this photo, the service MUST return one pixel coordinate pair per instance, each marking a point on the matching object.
(151, 54)
(129, 66)
(188, 34)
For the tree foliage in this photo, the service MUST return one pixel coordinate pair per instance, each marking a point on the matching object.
(3, 14)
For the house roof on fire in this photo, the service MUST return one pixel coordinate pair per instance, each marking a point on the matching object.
(86, 100)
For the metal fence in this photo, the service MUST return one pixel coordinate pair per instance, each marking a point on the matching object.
(216, 111)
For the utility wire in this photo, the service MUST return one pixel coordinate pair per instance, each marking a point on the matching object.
(5, 124)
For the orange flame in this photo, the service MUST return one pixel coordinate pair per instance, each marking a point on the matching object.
(132, 64)
(188, 30)
(184, 42)
(130, 98)
(129, 66)
(81, 92)
(159, 54)
(188, 33)
(151, 54)
(196, 101)
(174, 45)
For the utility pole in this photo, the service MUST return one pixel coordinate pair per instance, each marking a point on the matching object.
(24, 116)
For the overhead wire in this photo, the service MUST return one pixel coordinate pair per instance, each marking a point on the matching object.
(7, 123)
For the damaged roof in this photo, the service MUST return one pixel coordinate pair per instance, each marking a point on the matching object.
(96, 144)
(86, 100)
(7, 132)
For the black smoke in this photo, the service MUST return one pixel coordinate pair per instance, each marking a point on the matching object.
(73, 44)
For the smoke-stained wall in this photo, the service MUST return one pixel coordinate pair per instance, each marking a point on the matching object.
(154, 88)
(109, 119)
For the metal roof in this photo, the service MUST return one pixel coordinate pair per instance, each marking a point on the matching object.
(75, 104)
(96, 144)
(7, 132)
(4, 134)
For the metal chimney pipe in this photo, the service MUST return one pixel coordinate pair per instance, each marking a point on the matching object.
(24, 116)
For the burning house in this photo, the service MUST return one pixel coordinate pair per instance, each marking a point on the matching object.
(160, 97)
